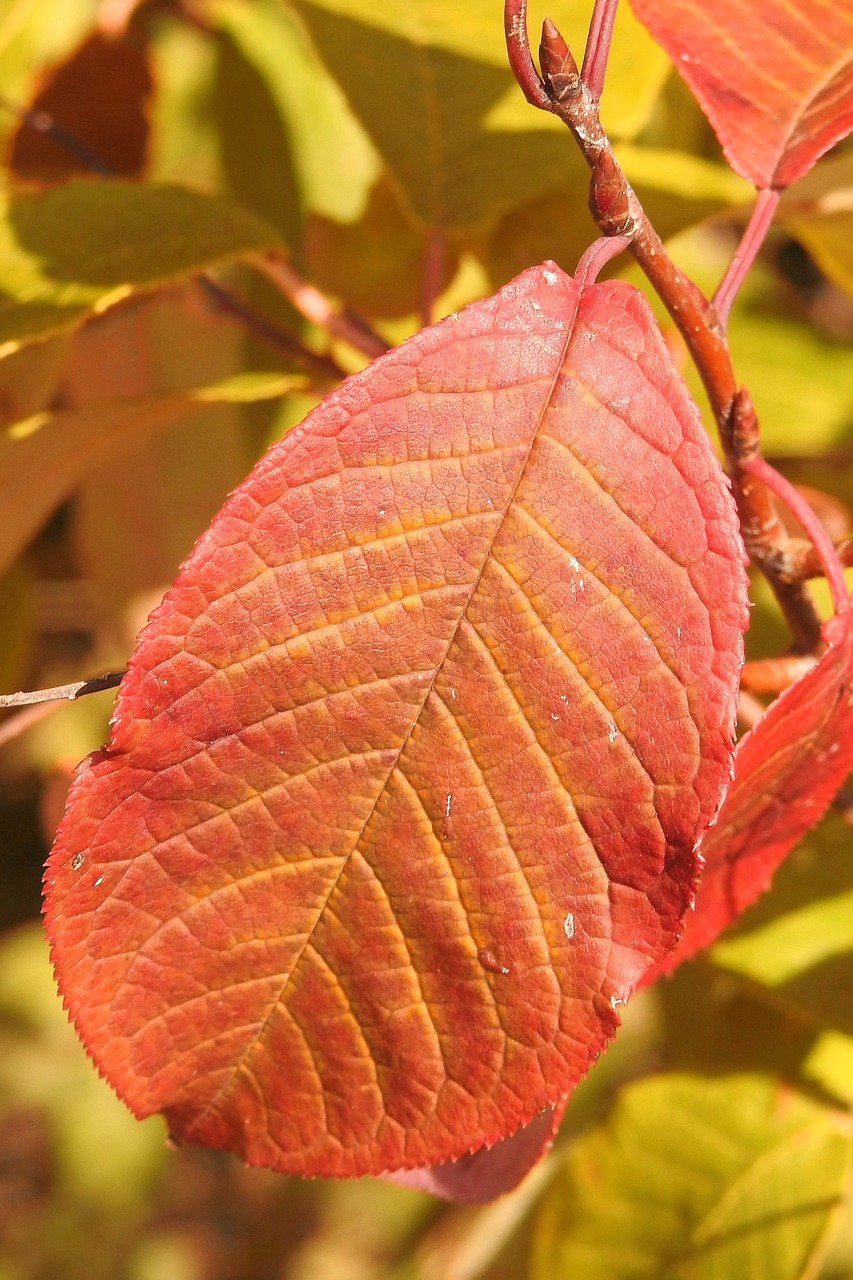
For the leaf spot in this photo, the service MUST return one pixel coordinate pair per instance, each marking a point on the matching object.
(489, 961)
(77, 861)
(569, 926)
(612, 733)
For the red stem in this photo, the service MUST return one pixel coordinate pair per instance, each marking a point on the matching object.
(598, 46)
(783, 489)
(745, 254)
(597, 256)
(520, 58)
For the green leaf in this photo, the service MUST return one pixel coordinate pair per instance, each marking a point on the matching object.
(335, 162)
(696, 1179)
(801, 383)
(818, 211)
(432, 87)
(798, 939)
(244, 107)
(637, 66)
(424, 108)
(75, 250)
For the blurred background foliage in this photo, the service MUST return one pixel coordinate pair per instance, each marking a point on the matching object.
(387, 151)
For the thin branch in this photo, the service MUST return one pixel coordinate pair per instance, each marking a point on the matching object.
(564, 94)
(317, 308)
(520, 59)
(43, 122)
(269, 334)
(63, 692)
(745, 254)
(598, 46)
(805, 562)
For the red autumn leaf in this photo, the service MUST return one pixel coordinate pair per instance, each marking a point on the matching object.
(775, 80)
(97, 99)
(787, 770)
(405, 780)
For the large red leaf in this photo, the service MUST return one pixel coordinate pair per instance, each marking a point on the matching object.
(775, 80)
(787, 770)
(405, 780)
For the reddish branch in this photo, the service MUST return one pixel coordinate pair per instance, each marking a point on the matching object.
(751, 241)
(317, 308)
(563, 91)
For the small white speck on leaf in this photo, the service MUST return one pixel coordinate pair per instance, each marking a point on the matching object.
(574, 563)
(77, 861)
(551, 277)
(612, 733)
(569, 926)
(453, 694)
(448, 803)
(100, 880)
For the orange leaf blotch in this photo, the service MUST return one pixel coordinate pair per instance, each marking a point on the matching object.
(407, 774)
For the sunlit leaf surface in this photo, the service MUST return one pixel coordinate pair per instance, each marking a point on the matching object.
(404, 785)
(775, 80)
(696, 1179)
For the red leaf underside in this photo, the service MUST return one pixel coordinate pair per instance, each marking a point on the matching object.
(787, 770)
(406, 777)
(491, 1171)
(775, 80)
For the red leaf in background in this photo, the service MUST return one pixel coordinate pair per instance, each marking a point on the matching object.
(787, 770)
(492, 1171)
(98, 99)
(775, 80)
(406, 778)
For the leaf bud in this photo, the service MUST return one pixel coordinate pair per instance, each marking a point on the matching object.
(559, 69)
(608, 197)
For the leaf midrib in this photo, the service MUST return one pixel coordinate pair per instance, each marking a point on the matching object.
(428, 688)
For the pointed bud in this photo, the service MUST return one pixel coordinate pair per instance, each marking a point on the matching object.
(559, 69)
(608, 197)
